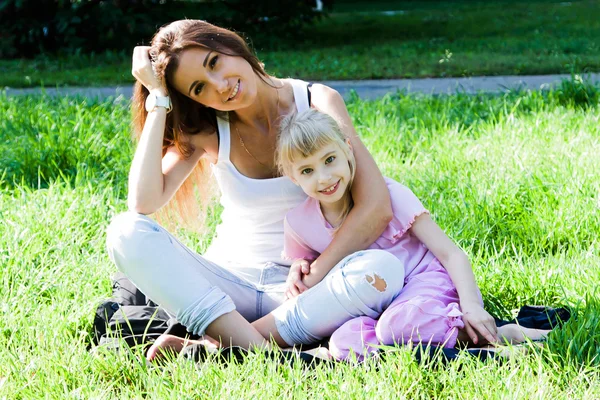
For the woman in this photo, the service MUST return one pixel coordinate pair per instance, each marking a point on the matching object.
(224, 109)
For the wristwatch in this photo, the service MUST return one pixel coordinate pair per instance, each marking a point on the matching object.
(153, 101)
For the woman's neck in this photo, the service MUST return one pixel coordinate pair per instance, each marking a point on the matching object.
(265, 110)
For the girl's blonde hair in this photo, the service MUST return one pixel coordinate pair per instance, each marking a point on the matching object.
(303, 134)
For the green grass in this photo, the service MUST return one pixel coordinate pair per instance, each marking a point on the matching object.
(513, 178)
(428, 39)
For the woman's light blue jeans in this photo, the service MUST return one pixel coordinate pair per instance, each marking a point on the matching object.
(197, 291)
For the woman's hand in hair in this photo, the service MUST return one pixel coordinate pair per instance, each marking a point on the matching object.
(141, 69)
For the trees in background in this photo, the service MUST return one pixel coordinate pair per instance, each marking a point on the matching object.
(31, 27)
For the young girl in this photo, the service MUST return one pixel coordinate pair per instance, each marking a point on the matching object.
(440, 302)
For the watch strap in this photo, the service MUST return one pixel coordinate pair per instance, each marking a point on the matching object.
(163, 102)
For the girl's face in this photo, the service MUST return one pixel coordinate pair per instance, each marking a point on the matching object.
(324, 175)
(215, 80)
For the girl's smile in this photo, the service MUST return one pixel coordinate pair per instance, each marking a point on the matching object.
(331, 189)
(325, 175)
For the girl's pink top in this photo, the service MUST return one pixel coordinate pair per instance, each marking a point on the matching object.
(307, 233)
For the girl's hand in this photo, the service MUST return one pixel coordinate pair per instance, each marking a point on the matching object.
(294, 283)
(141, 69)
(477, 320)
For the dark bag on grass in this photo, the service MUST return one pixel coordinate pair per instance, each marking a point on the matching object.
(539, 317)
(130, 316)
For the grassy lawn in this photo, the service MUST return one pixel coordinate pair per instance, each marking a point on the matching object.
(514, 179)
(424, 39)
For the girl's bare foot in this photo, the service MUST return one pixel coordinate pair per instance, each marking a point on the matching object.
(174, 344)
(515, 334)
(507, 334)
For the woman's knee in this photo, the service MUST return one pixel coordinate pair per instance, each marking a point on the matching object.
(381, 270)
(126, 234)
(367, 281)
(363, 284)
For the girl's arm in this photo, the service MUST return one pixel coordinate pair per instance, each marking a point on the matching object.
(295, 248)
(372, 208)
(457, 264)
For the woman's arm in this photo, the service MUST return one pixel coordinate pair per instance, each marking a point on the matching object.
(457, 264)
(154, 179)
(372, 209)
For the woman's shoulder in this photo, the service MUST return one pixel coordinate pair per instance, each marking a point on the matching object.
(319, 93)
(324, 93)
(203, 144)
(329, 101)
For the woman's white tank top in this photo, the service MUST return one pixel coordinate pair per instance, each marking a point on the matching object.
(251, 229)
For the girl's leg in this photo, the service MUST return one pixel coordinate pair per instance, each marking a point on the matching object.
(515, 334)
(426, 311)
(202, 296)
(362, 284)
(355, 338)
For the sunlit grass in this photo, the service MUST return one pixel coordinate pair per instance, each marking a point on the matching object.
(512, 178)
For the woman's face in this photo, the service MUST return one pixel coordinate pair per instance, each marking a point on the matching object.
(215, 80)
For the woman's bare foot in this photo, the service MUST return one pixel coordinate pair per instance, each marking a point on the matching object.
(174, 344)
(515, 334)
(319, 352)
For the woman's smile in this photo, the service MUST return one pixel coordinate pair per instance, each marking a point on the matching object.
(236, 91)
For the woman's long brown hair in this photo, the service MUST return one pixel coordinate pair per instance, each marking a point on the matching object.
(187, 116)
